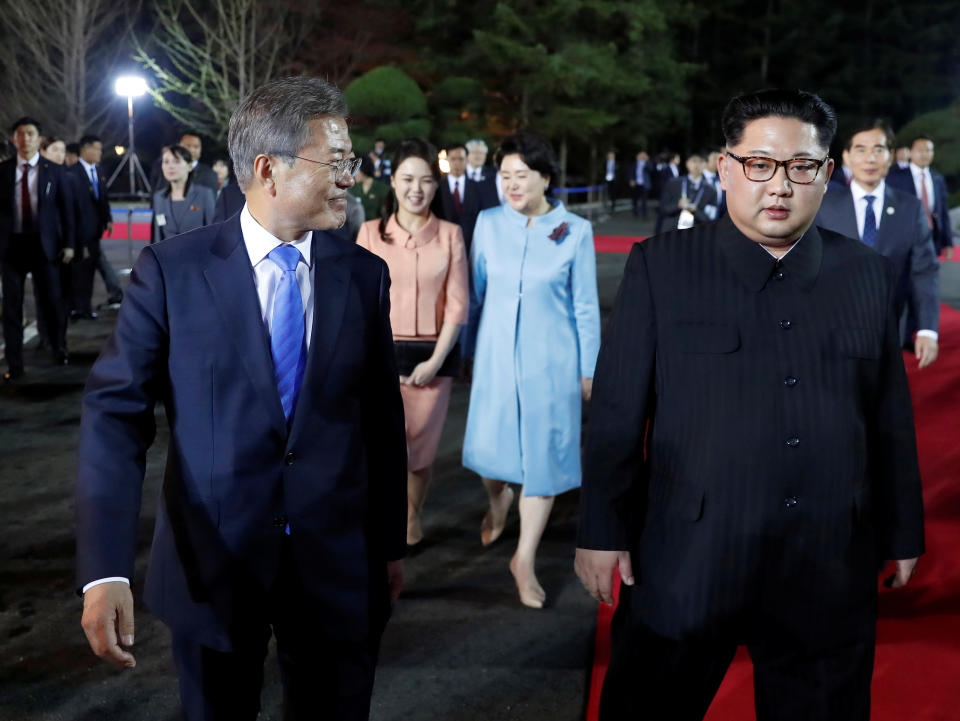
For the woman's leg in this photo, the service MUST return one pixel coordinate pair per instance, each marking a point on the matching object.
(417, 482)
(501, 497)
(534, 513)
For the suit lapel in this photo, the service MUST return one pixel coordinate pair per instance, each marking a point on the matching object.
(887, 230)
(848, 217)
(331, 288)
(231, 279)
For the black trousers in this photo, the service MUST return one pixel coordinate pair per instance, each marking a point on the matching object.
(323, 678)
(25, 255)
(639, 196)
(652, 678)
(84, 272)
(611, 193)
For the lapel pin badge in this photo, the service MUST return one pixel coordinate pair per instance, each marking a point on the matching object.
(890, 210)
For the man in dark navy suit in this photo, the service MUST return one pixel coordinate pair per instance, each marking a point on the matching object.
(93, 219)
(36, 237)
(461, 198)
(229, 202)
(751, 460)
(930, 187)
(283, 508)
(641, 181)
(893, 223)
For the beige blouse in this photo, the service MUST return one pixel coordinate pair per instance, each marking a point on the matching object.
(428, 275)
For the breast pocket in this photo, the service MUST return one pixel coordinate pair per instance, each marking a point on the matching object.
(862, 343)
(704, 338)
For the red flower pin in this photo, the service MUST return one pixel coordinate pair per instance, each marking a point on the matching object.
(560, 232)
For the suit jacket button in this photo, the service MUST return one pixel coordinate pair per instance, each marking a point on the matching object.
(790, 381)
(791, 501)
(288, 459)
(779, 275)
(279, 521)
(793, 442)
(785, 324)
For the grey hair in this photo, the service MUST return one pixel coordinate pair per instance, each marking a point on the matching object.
(476, 143)
(274, 119)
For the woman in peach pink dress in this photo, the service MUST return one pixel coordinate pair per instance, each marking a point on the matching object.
(429, 299)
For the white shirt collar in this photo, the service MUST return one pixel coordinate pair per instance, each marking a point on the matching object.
(460, 179)
(917, 170)
(87, 166)
(32, 162)
(194, 164)
(859, 193)
(259, 241)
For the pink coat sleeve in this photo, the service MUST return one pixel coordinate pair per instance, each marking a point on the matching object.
(457, 289)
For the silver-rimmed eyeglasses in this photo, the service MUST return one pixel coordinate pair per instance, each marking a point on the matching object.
(345, 167)
(799, 170)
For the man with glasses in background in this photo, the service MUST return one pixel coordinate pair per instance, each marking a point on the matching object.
(751, 459)
(283, 510)
(894, 224)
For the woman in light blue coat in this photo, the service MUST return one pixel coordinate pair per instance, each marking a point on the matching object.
(535, 283)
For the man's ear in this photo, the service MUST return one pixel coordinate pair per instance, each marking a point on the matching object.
(263, 167)
(722, 170)
(829, 166)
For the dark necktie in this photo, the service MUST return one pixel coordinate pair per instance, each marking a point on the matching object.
(26, 210)
(869, 223)
(457, 203)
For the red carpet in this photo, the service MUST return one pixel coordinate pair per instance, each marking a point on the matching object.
(917, 674)
(615, 243)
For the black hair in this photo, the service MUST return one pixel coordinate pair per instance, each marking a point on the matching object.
(534, 150)
(367, 167)
(89, 140)
(26, 120)
(457, 146)
(411, 148)
(184, 155)
(921, 137)
(799, 104)
(876, 124)
(47, 141)
(73, 148)
(190, 131)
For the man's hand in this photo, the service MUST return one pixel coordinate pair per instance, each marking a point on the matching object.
(109, 230)
(905, 571)
(395, 578)
(948, 253)
(66, 255)
(108, 622)
(586, 388)
(595, 570)
(926, 350)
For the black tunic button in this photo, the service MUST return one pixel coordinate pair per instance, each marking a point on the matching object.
(789, 381)
(288, 459)
(785, 324)
(779, 275)
(793, 442)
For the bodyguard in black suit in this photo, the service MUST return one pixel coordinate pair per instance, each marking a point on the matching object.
(691, 193)
(93, 219)
(461, 198)
(284, 499)
(751, 459)
(36, 237)
(894, 225)
(930, 187)
(229, 202)
(641, 182)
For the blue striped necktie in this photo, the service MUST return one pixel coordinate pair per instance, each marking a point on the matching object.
(869, 223)
(287, 337)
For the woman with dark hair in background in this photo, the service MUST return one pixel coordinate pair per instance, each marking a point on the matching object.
(182, 205)
(535, 282)
(368, 190)
(428, 305)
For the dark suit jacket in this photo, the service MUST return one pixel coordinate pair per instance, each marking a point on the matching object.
(903, 236)
(230, 202)
(751, 438)
(647, 174)
(190, 335)
(902, 179)
(93, 213)
(54, 214)
(671, 197)
(477, 196)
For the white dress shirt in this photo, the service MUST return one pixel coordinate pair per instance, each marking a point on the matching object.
(453, 182)
(474, 173)
(33, 180)
(917, 172)
(266, 276)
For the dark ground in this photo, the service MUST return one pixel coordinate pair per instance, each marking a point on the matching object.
(460, 646)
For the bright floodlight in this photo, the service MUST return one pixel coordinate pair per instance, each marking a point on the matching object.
(131, 86)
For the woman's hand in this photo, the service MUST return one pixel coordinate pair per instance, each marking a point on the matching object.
(586, 388)
(423, 373)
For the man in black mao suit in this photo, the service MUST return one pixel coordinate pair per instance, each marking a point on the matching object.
(36, 237)
(283, 508)
(93, 219)
(751, 459)
(894, 225)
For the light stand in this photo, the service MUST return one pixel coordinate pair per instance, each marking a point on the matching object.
(131, 87)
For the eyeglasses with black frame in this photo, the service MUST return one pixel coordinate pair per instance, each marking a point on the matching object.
(347, 166)
(799, 170)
